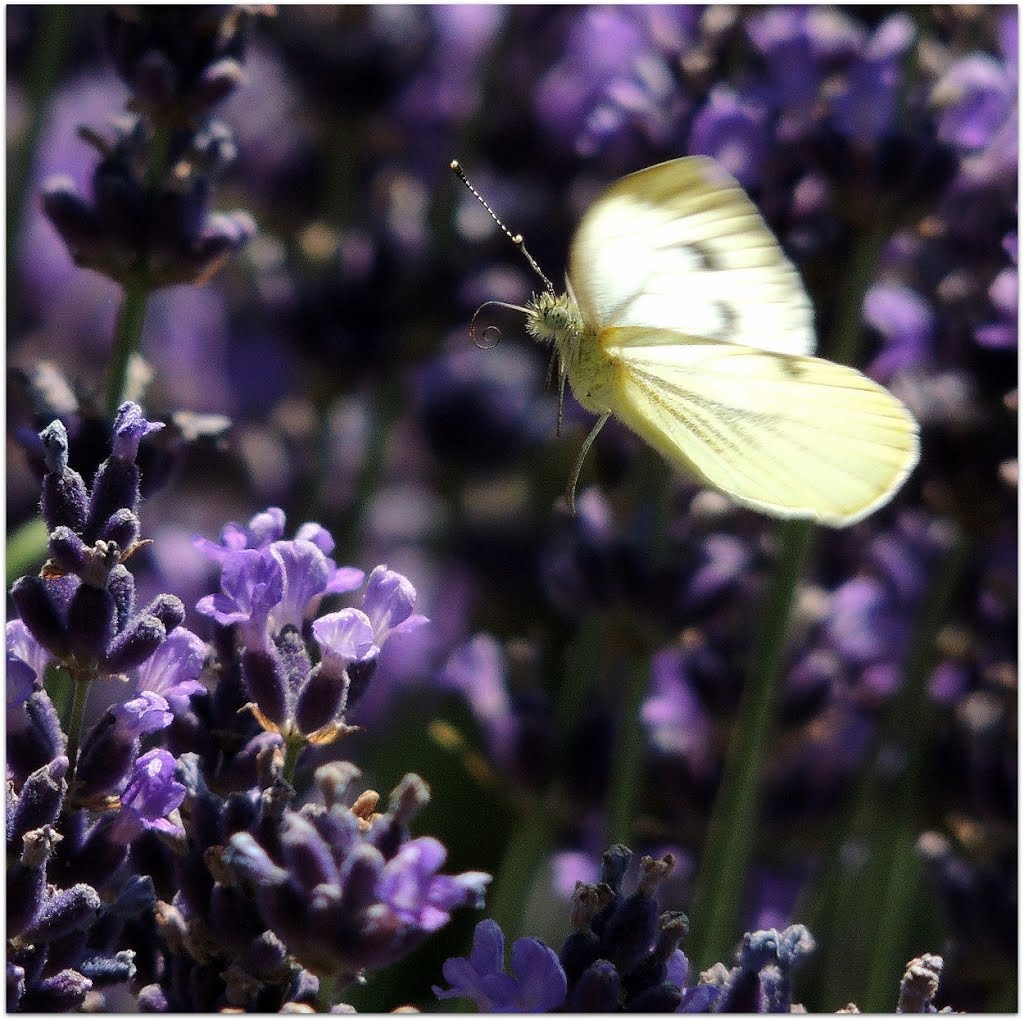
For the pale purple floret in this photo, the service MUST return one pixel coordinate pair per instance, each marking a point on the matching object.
(130, 427)
(388, 603)
(410, 885)
(866, 106)
(305, 572)
(26, 658)
(344, 638)
(735, 131)
(267, 528)
(252, 583)
(536, 984)
(478, 671)
(145, 714)
(172, 670)
(149, 796)
(906, 323)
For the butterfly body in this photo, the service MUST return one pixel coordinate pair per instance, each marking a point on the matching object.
(685, 320)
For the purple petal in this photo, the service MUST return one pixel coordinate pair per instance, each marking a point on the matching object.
(344, 637)
(388, 601)
(130, 426)
(179, 659)
(143, 715)
(305, 577)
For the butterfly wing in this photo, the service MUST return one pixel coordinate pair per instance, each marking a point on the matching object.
(680, 246)
(788, 435)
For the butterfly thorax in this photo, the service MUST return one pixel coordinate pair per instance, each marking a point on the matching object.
(556, 319)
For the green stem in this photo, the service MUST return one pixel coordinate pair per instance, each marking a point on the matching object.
(47, 63)
(628, 752)
(132, 314)
(524, 856)
(729, 843)
(79, 697)
(293, 747)
(328, 993)
(845, 339)
(127, 337)
(910, 719)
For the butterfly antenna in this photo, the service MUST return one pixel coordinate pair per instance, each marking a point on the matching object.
(516, 239)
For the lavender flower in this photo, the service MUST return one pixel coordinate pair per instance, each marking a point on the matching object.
(81, 610)
(271, 590)
(347, 889)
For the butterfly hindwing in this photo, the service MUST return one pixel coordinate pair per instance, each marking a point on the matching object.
(680, 246)
(788, 435)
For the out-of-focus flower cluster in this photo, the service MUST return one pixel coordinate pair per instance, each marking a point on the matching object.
(148, 221)
(623, 955)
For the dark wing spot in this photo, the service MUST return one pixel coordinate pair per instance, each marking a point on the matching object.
(707, 258)
(792, 367)
(730, 320)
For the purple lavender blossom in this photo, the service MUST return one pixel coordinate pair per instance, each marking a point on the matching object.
(272, 593)
(536, 982)
(149, 796)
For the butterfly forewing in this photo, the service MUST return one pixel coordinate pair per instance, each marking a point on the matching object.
(788, 435)
(679, 246)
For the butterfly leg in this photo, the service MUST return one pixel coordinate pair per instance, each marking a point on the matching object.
(570, 492)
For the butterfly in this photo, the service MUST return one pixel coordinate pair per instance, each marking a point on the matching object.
(683, 318)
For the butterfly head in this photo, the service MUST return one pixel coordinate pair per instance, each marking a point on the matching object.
(554, 319)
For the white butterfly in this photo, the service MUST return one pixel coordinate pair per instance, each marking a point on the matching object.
(684, 319)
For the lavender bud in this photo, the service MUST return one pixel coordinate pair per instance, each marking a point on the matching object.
(115, 487)
(265, 955)
(167, 609)
(31, 597)
(104, 970)
(118, 203)
(68, 551)
(359, 676)
(62, 993)
(152, 1000)
(26, 879)
(218, 81)
(71, 215)
(614, 863)
(15, 983)
(265, 679)
(154, 81)
(597, 991)
(41, 742)
(90, 623)
(40, 800)
(919, 985)
(320, 701)
(631, 932)
(409, 798)
(66, 911)
(306, 854)
(122, 527)
(121, 586)
(135, 644)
